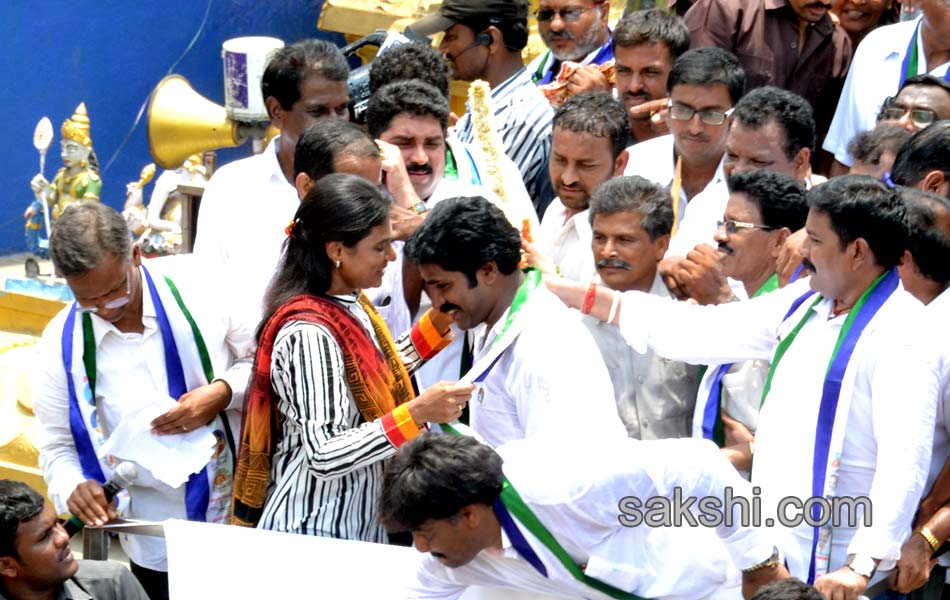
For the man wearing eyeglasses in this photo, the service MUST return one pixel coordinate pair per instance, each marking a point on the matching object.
(576, 31)
(141, 339)
(886, 58)
(764, 208)
(704, 85)
(922, 100)
(792, 44)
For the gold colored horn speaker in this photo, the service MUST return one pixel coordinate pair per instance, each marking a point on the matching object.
(182, 122)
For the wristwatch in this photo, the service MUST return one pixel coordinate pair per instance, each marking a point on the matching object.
(862, 564)
(765, 564)
(419, 207)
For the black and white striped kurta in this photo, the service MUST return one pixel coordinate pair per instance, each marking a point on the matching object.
(328, 465)
(522, 116)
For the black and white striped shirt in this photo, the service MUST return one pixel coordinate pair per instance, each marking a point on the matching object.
(522, 116)
(328, 464)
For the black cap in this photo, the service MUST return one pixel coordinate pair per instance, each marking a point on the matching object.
(465, 11)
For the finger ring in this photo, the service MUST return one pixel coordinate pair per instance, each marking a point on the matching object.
(183, 428)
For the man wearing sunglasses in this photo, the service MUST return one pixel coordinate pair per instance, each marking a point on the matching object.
(141, 339)
(886, 58)
(922, 100)
(576, 31)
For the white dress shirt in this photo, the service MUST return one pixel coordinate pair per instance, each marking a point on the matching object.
(874, 75)
(131, 371)
(580, 508)
(551, 381)
(654, 160)
(887, 443)
(566, 241)
(244, 210)
(655, 396)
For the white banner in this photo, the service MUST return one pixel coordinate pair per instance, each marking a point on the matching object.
(225, 562)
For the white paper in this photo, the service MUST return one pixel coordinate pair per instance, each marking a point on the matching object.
(170, 458)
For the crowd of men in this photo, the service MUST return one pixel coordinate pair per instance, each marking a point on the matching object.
(738, 234)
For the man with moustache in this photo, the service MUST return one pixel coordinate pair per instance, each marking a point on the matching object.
(646, 44)
(412, 116)
(704, 85)
(590, 132)
(576, 31)
(886, 58)
(864, 408)
(248, 203)
(36, 562)
(517, 333)
(764, 208)
(463, 162)
(791, 44)
(631, 220)
(484, 40)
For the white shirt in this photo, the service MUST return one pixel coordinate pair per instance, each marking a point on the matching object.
(445, 365)
(938, 322)
(580, 508)
(551, 381)
(654, 160)
(244, 210)
(566, 240)
(886, 450)
(127, 365)
(874, 75)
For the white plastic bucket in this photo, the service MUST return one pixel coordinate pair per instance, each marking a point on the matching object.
(245, 59)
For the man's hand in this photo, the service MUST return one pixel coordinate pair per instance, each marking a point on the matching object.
(532, 257)
(195, 409)
(751, 582)
(656, 111)
(670, 270)
(913, 569)
(843, 584)
(395, 175)
(701, 277)
(405, 222)
(588, 78)
(88, 503)
(790, 257)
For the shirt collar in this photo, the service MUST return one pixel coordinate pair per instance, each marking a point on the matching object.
(824, 27)
(270, 164)
(72, 591)
(101, 327)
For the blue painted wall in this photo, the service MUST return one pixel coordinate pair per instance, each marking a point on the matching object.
(110, 54)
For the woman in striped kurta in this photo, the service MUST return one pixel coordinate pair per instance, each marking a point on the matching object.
(331, 398)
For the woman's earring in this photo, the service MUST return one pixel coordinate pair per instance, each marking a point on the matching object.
(337, 264)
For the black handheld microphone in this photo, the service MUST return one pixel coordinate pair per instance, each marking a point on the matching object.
(122, 478)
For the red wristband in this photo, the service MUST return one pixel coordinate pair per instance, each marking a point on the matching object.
(589, 299)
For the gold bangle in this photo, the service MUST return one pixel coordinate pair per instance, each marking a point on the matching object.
(751, 448)
(930, 537)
